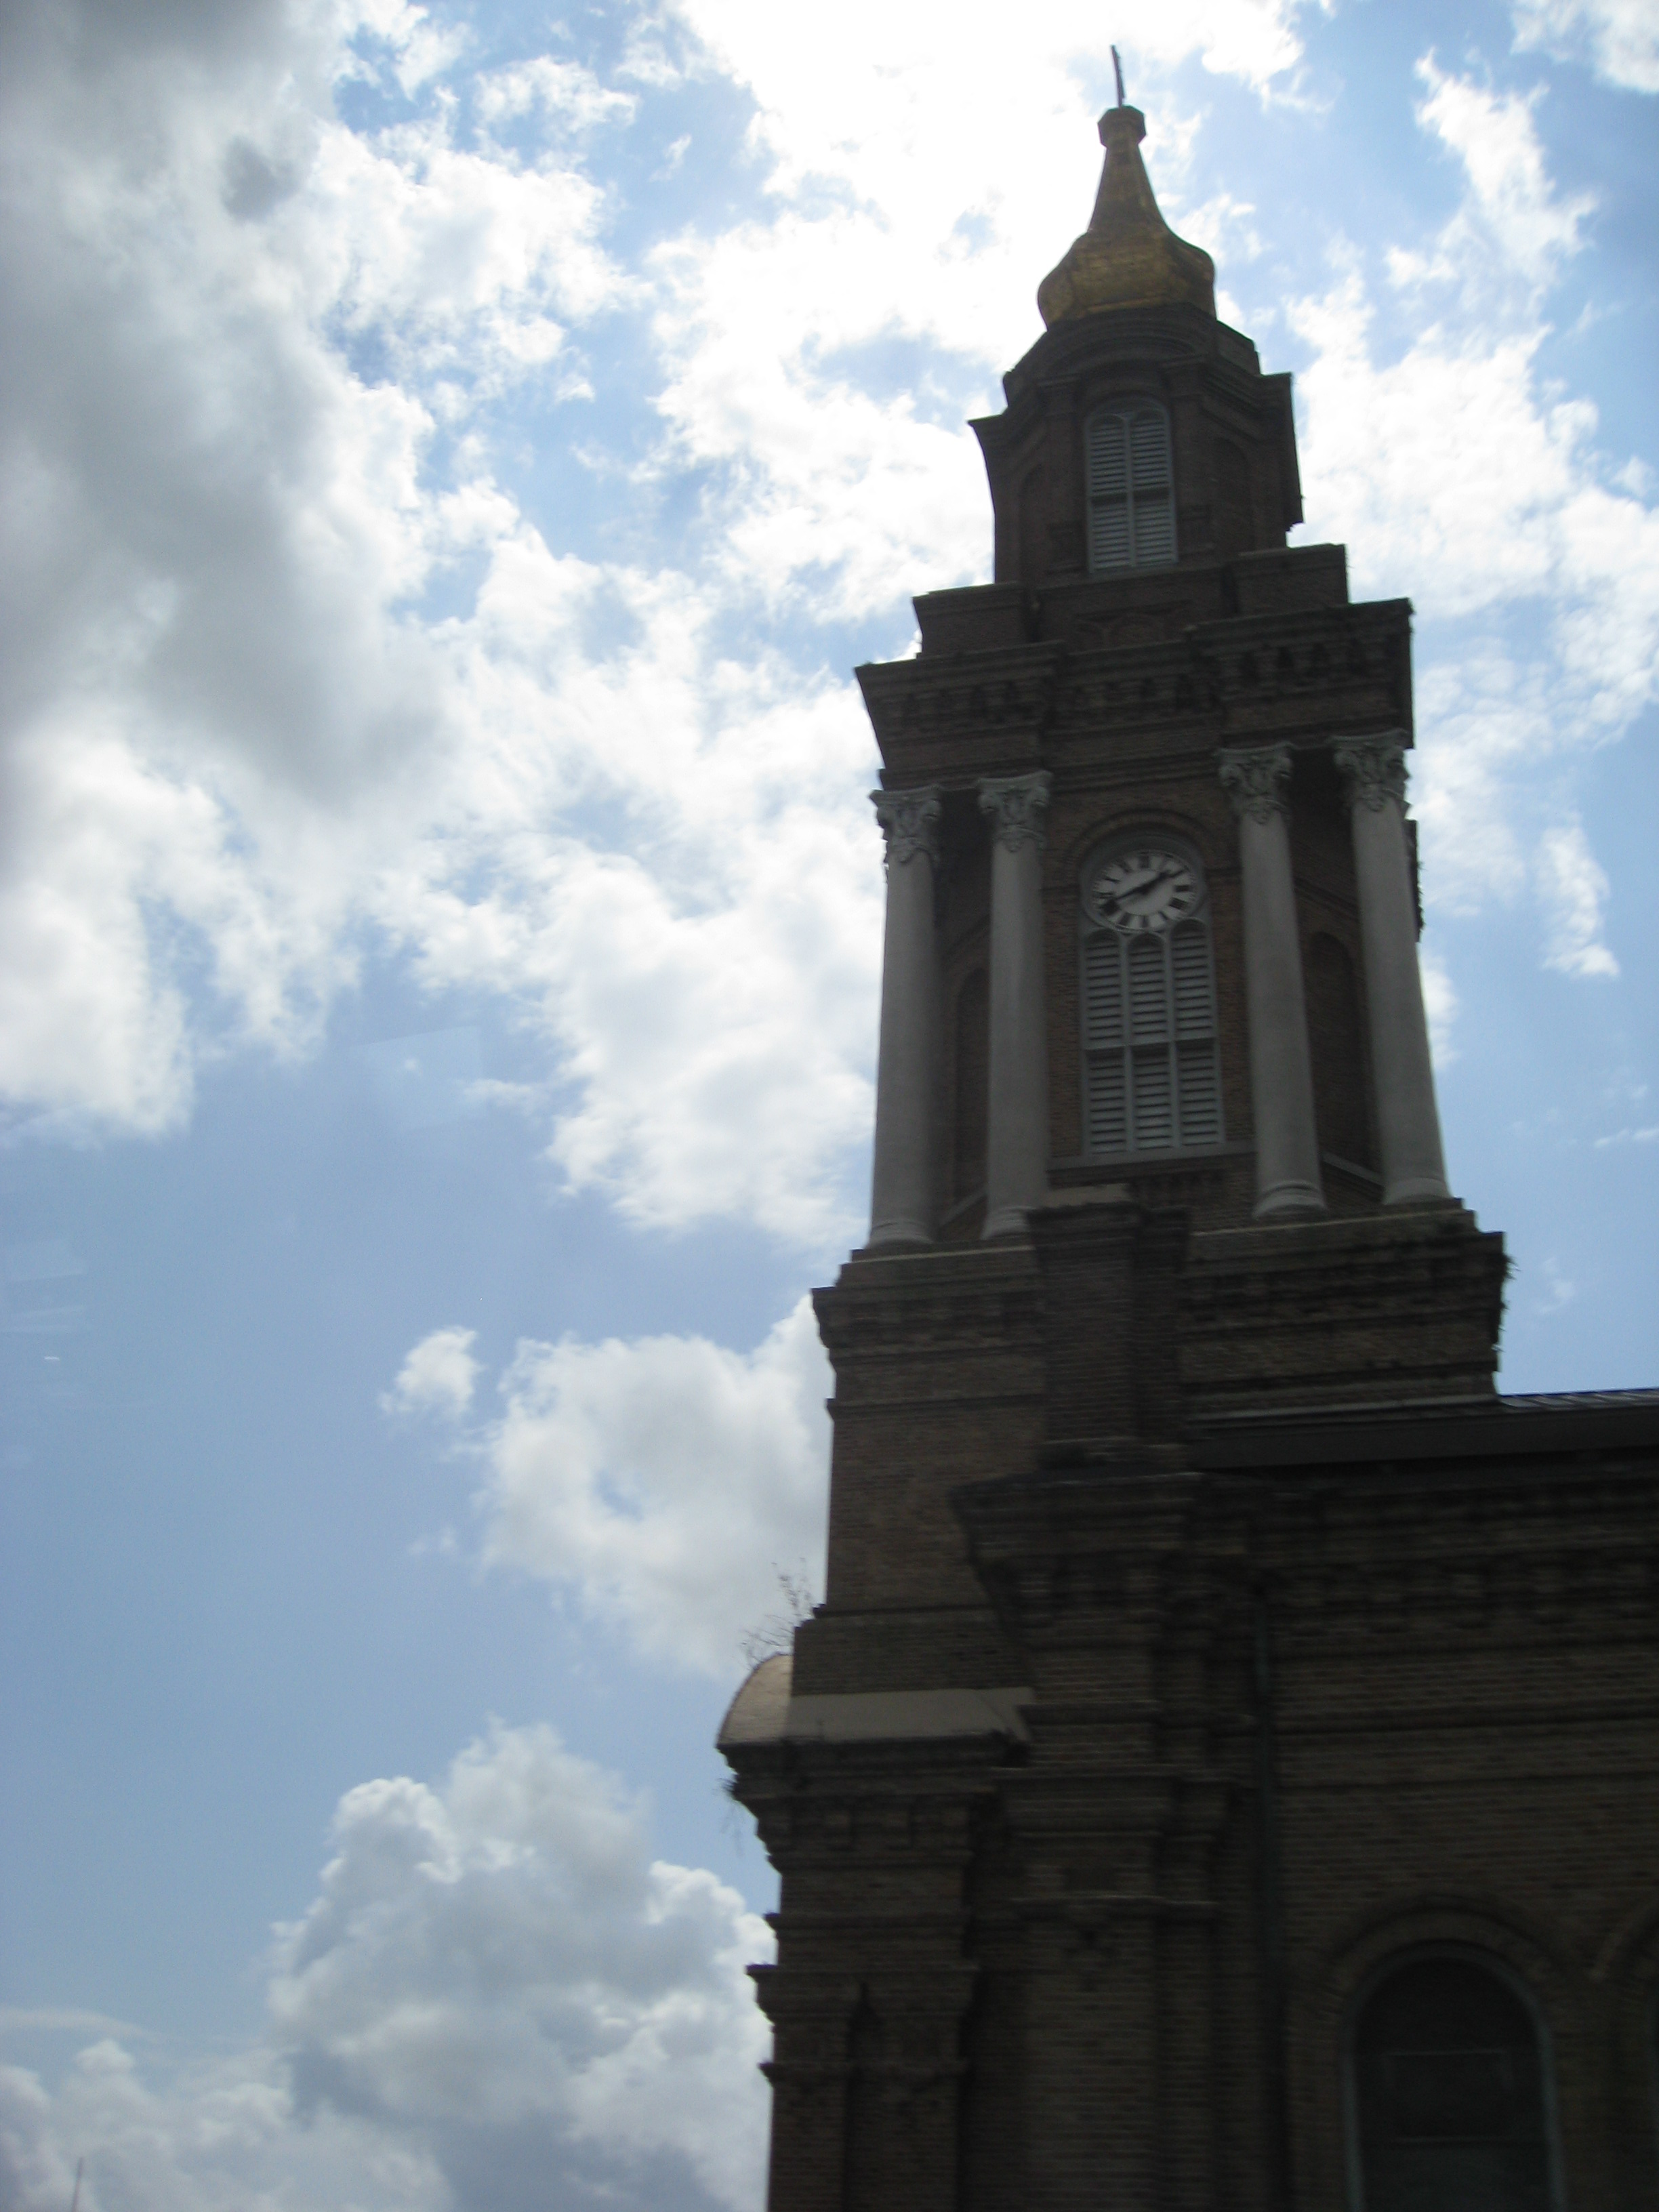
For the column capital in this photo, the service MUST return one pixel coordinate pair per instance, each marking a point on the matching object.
(909, 821)
(1254, 777)
(1015, 805)
(1372, 770)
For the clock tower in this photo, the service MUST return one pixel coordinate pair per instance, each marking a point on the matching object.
(1167, 1793)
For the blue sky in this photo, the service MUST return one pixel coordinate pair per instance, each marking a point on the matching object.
(453, 458)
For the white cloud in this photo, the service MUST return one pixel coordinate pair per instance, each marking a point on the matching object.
(1446, 465)
(253, 443)
(664, 1483)
(708, 975)
(499, 2000)
(1512, 219)
(437, 1376)
(1479, 717)
(211, 715)
(1440, 1003)
(232, 748)
(57, 2020)
(1575, 891)
(1453, 472)
(1620, 37)
(562, 92)
(1559, 1290)
(502, 1955)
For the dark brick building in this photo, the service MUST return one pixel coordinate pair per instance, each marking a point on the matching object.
(1223, 1770)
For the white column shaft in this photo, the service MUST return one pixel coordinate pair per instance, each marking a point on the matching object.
(1407, 1118)
(1287, 1175)
(1016, 1162)
(904, 1192)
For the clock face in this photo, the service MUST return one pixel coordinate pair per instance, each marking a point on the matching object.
(1144, 890)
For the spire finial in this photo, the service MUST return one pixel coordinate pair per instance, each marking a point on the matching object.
(1117, 71)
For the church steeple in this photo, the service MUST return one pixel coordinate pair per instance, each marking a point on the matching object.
(1128, 256)
(1150, 1780)
(1135, 359)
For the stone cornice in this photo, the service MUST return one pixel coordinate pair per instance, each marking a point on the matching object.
(1605, 1425)
(974, 1297)
(1307, 676)
(1001, 698)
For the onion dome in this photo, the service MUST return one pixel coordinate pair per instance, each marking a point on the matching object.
(1128, 256)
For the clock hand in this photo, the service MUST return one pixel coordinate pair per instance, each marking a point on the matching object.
(1148, 882)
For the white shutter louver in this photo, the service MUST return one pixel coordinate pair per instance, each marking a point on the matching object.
(1149, 994)
(1108, 534)
(1200, 1094)
(1108, 493)
(1197, 1072)
(1154, 513)
(1189, 958)
(1154, 531)
(1154, 1104)
(1102, 1036)
(1149, 441)
(1149, 1026)
(1109, 457)
(1131, 498)
(1109, 1127)
(1103, 990)
(1153, 1069)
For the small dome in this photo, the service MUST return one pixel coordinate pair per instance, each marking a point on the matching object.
(1128, 256)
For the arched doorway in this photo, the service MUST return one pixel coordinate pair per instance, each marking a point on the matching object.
(1450, 2106)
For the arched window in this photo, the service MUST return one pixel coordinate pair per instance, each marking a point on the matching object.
(1449, 2105)
(1151, 1074)
(1131, 489)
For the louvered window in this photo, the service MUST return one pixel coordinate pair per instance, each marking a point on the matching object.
(1130, 488)
(1152, 1076)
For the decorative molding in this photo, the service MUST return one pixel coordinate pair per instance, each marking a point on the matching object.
(1254, 777)
(1323, 670)
(909, 821)
(1372, 770)
(1015, 805)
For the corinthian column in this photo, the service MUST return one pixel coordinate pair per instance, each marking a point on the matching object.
(1373, 770)
(1287, 1178)
(1016, 1161)
(903, 1200)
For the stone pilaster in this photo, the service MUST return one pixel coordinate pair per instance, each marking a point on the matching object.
(1016, 1164)
(1373, 772)
(1287, 1176)
(810, 2072)
(904, 1181)
(1118, 1583)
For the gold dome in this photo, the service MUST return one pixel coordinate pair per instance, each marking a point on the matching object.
(1128, 256)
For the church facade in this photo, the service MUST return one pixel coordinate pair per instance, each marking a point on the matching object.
(1224, 1771)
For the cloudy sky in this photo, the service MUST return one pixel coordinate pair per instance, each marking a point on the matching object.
(451, 460)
